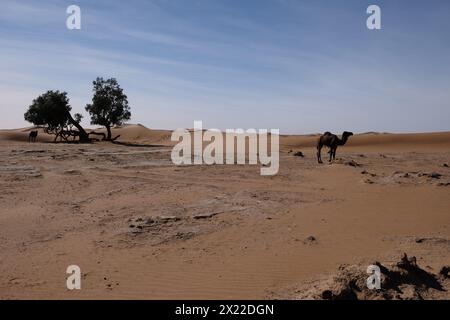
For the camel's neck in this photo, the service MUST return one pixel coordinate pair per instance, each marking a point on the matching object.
(343, 140)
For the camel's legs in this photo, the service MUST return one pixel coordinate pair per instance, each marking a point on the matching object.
(332, 152)
(319, 155)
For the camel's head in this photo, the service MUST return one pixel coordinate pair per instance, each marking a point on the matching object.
(347, 134)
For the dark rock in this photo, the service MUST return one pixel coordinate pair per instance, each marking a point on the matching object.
(352, 163)
(444, 184)
(205, 215)
(407, 263)
(310, 240)
(435, 175)
(367, 172)
(327, 295)
(445, 271)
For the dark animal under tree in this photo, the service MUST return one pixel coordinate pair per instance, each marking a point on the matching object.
(32, 137)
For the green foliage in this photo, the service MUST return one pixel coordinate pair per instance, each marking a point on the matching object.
(109, 104)
(77, 117)
(50, 110)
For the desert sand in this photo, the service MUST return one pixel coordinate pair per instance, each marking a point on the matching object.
(140, 227)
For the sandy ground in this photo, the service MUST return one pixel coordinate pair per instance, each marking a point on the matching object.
(140, 227)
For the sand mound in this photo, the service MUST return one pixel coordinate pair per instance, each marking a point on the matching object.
(137, 133)
(404, 280)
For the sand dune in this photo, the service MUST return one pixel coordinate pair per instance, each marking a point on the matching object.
(137, 133)
(412, 141)
(140, 134)
(133, 133)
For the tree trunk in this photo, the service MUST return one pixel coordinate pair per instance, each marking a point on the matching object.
(108, 137)
(84, 137)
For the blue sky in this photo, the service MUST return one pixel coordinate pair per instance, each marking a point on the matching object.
(300, 66)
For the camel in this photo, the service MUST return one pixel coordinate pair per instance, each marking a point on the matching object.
(32, 137)
(332, 141)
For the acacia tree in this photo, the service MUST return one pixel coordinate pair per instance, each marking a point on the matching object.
(51, 110)
(109, 105)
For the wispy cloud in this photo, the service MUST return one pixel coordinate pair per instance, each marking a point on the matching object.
(298, 65)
